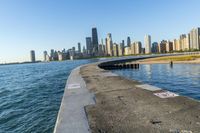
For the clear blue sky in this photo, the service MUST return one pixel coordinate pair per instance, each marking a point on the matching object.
(45, 24)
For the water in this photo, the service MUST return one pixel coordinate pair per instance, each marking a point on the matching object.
(183, 79)
(30, 95)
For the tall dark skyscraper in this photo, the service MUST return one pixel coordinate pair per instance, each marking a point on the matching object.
(79, 47)
(89, 45)
(122, 46)
(32, 55)
(128, 41)
(95, 40)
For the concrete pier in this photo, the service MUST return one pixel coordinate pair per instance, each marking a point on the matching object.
(122, 105)
(72, 117)
(129, 106)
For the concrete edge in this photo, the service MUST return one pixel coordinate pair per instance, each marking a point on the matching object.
(59, 112)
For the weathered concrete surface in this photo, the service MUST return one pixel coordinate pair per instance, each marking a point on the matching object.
(123, 107)
(72, 117)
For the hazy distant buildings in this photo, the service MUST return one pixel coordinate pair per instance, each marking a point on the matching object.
(128, 41)
(95, 40)
(32, 55)
(147, 42)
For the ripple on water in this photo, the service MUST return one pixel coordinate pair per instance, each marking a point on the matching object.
(30, 95)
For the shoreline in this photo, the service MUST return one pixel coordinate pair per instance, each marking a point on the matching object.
(179, 59)
(168, 62)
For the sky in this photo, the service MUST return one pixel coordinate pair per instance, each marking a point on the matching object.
(56, 24)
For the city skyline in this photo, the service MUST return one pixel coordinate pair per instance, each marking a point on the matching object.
(23, 28)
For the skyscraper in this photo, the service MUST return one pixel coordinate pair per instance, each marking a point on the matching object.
(109, 44)
(95, 40)
(154, 47)
(128, 41)
(122, 47)
(132, 48)
(194, 38)
(115, 49)
(138, 47)
(89, 46)
(79, 47)
(32, 55)
(169, 46)
(147, 43)
(45, 55)
(162, 46)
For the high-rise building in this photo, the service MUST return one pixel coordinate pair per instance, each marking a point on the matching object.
(60, 56)
(89, 46)
(52, 54)
(133, 48)
(187, 42)
(138, 47)
(45, 55)
(120, 50)
(106, 47)
(127, 50)
(109, 44)
(79, 47)
(147, 42)
(176, 43)
(84, 50)
(183, 42)
(115, 49)
(95, 40)
(154, 48)
(122, 47)
(195, 38)
(162, 46)
(169, 46)
(32, 55)
(128, 41)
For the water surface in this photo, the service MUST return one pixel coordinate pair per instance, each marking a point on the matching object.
(183, 79)
(30, 95)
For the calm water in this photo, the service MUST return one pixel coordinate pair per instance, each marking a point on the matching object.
(183, 79)
(30, 95)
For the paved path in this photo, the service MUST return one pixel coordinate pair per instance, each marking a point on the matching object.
(72, 117)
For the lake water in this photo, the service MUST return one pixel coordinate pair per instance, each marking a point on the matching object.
(31, 94)
(183, 79)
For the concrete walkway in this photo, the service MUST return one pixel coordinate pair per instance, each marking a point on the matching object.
(72, 117)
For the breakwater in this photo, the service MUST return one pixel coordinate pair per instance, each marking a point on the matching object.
(130, 106)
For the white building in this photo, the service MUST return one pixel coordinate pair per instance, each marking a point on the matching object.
(147, 43)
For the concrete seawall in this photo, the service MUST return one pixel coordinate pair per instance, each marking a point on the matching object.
(129, 106)
(122, 105)
(71, 117)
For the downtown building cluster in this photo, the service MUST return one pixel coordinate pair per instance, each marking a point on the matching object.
(186, 42)
(94, 48)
